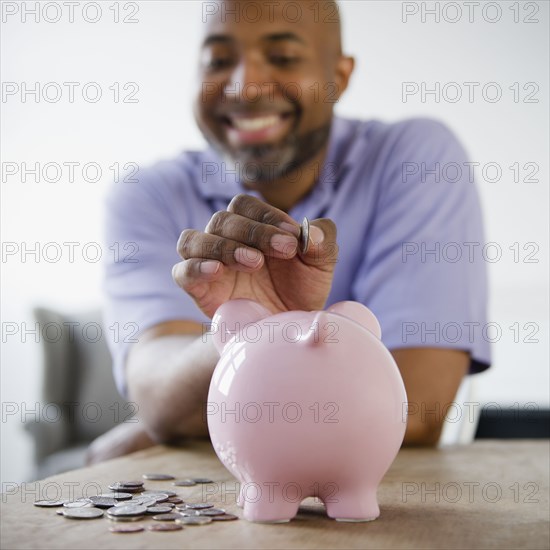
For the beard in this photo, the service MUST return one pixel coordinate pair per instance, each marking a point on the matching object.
(261, 165)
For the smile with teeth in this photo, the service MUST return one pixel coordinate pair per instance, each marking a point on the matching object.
(256, 123)
(257, 128)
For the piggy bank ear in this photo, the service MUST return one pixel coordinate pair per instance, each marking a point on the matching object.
(359, 313)
(232, 316)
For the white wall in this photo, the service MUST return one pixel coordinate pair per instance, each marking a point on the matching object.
(158, 53)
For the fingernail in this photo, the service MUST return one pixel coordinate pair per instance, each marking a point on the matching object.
(316, 234)
(248, 257)
(294, 229)
(284, 244)
(209, 267)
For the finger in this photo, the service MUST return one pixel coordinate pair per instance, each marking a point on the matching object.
(271, 240)
(323, 248)
(235, 255)
(255, 209)
(191, 273)
(196, 277)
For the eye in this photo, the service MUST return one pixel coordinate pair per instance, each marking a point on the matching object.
(218, 63)
(284, 60)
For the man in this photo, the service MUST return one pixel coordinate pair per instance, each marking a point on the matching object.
(267, 87)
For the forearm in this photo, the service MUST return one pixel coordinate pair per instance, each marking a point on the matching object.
(168, 377)
(421, 434)
(432, 377)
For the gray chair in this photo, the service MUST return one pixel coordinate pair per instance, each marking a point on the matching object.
(78, 391)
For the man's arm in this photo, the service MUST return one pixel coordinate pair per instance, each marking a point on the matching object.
(432, 377)
(168, 374)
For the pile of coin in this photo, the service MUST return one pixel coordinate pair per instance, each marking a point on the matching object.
(128, 502)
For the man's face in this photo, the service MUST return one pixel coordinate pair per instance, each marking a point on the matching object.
(268, 84)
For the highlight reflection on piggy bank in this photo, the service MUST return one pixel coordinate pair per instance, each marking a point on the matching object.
(304, 404)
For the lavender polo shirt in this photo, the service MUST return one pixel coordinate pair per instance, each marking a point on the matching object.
(409, 232)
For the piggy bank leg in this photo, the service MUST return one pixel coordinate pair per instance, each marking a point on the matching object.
(359, 505)
(266, 507)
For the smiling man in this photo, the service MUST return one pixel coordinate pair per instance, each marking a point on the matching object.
(266, 92)
(268, 89)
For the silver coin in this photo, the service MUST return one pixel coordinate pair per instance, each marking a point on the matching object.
(159, 509)
(128, 510)
(166, 504)
(59, 512)
(186, 513)
(169, 493)
(304, 236)
(211, 512)
(225, 517)
(198, 505)
(49, 503)
(164, 492)
(103, 502)
(164, 527)
(117, 495)
(122, 519)
(132, 483)
(158, 495)
(158, 477)
(83, 503)
(174, 500)
(144, 501)
(82, 513)
(202, 480)
(126, 528)
(167, 517)
(118, 487)
(193, 520)
(157, 499)
(184, 483)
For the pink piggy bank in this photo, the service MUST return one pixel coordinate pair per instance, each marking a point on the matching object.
(304, 404)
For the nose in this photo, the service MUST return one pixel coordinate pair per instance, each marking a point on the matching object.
(249, 80)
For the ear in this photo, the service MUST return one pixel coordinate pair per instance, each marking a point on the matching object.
(344, 69)
(359, 313)
(232, 316)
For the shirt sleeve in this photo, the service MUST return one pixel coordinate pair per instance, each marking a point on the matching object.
(141, 235)
(423, 274)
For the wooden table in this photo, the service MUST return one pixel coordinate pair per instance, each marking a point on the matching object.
(491, 494)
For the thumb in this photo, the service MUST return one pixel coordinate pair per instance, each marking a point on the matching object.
(323, 248)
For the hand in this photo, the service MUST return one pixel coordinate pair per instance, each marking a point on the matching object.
(251, 251)
(121, 440)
